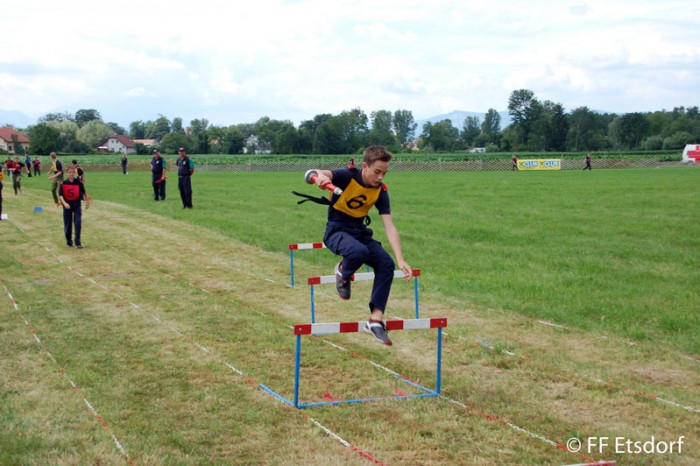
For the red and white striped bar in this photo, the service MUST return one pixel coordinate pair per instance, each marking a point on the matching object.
(354, 327)
(298, 246)
(358, 277)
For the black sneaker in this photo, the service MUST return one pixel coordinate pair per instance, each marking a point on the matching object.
(79, 246)
(69, 244)
(342, 285)
(378, 329)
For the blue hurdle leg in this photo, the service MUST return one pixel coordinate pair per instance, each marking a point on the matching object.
(313, 308)
(291, 266)
(415, 294)
(296, 372)
(439, 361)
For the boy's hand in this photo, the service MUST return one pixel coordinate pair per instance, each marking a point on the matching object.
(407, 270)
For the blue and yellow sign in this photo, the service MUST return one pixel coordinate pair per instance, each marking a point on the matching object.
(539, 164)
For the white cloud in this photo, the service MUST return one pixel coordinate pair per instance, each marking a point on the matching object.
(296, 59)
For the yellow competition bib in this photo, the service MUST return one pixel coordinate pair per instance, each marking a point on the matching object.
(356, 200)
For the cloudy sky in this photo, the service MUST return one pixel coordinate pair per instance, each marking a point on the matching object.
(234, 61)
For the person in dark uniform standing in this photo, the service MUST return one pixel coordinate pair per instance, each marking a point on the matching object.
(125, 162)
(158, 169)
(347, 234)
(72, 192)
(185, 169)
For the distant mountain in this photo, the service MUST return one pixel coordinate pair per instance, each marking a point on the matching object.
(457, 118)
(17, 119)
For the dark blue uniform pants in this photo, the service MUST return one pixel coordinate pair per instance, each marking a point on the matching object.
(184, 184)
(71, 216)
(356, 245)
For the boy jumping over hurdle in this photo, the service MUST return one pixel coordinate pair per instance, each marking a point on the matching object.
(347, 234)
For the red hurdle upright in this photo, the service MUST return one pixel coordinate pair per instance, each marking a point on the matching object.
(296, 247)
(353, 327)
(359, 277)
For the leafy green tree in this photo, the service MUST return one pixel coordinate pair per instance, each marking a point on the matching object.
(93, 133)
(382, 132)
(653, 143)
(177, 125)
(199, 135)
(83, 116)
(328, 137)
(440, 136)
(633, 127)
(137, 130)
(158, 128)
(556, 126)
(678, 140)
(491, 127)
(404, 127)
(171, 142)
(524, 109)
(115, 128)
(232, 141)
(69, 135)
(471, 129)
(44, 139)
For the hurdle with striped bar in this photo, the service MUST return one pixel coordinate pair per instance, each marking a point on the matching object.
(359, 277)
(353, 327)
(302, 246)
(297, 247)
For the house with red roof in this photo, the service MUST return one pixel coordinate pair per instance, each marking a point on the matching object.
(7, 144)
(118, 143)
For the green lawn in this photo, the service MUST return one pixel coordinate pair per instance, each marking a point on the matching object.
(149, 346)
(610, 250)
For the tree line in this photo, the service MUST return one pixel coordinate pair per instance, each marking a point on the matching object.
(537, 126)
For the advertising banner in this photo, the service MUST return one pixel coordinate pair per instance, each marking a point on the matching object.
(539, 164)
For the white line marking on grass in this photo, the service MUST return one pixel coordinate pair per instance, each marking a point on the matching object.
(468, 408)
(75, 388)
(219, 359)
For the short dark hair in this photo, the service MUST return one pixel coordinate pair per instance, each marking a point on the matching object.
(374, 153)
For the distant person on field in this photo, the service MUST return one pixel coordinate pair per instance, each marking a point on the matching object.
(514, 162)
(2, 175)
(56, 176)
(185, 169)
(28, 164)
(588, 162)
(72, 193)
(158, 169)
(37, 166)
(17, 167)
(125, 162)
(79, 172)
(8, 165)
(347, 234)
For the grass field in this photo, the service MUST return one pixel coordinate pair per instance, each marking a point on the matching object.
(572, 301)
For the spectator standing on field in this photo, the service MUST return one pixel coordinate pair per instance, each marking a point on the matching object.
(588, 162)
(28, 164)
(37, 166)
(79, 172)
(8, 165)
(347, 234)
(72, 193)
(2, 175)
(17, 167)
(125, 162)
(185, 169)
(515, 162)
(158, 169)
(56, 176)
